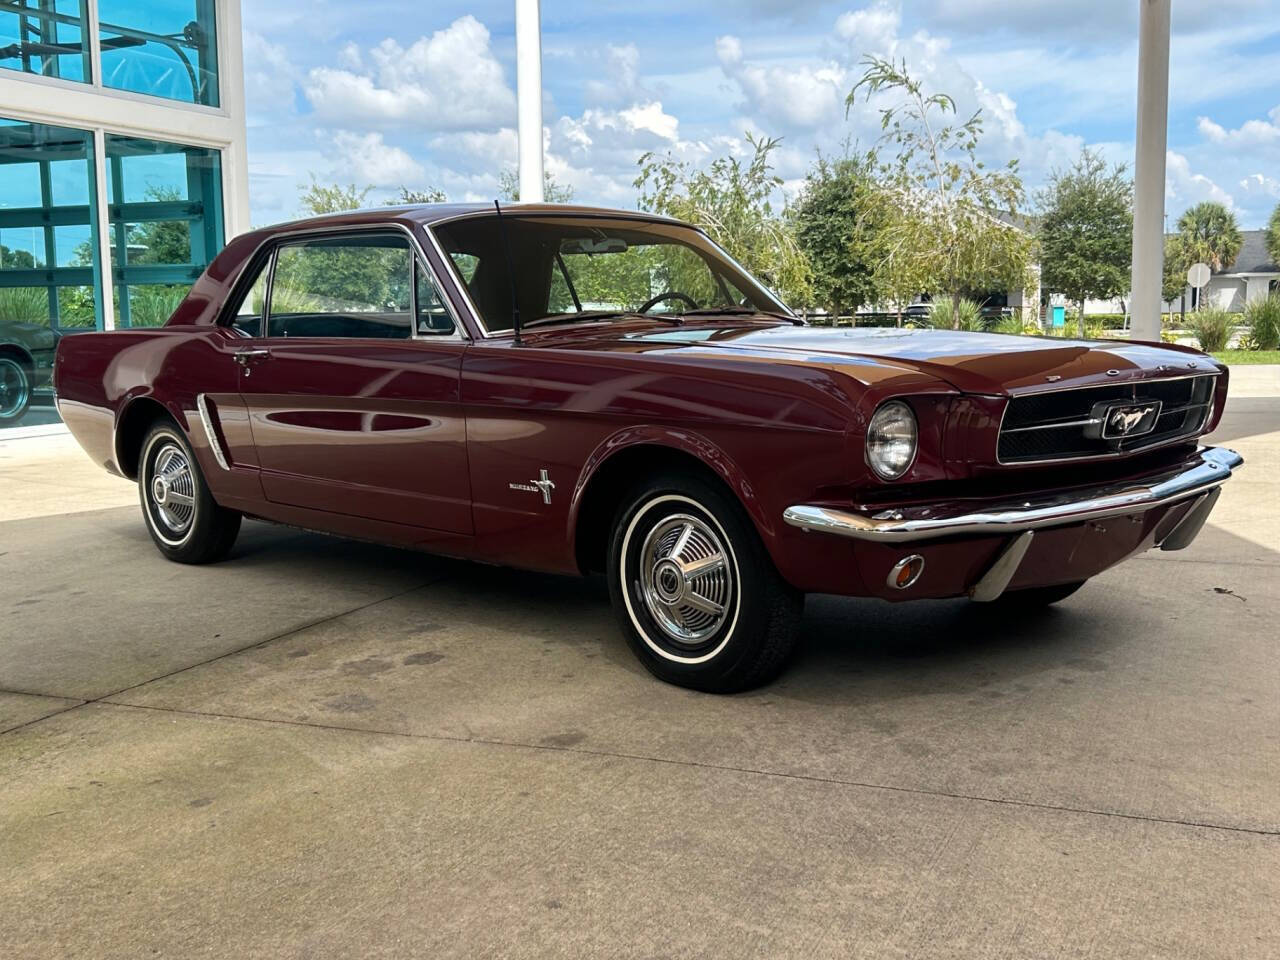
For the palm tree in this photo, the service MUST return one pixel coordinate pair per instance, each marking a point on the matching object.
(1210, 234)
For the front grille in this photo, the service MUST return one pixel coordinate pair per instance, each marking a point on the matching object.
(1056, 426)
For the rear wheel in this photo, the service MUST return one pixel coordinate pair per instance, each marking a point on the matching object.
(184, 521)
(1039, 596)
(15, 389)
(695, 591)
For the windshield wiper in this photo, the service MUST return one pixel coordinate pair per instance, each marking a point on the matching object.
(586, 315)
(740, 312)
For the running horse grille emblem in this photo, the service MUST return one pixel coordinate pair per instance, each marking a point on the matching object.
(543, 485)
(1124, 420)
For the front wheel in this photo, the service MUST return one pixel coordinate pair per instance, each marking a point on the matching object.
(695, 591)
(15, 390)
(184, 521)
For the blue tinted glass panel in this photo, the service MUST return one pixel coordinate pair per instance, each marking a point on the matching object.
(50, 277)
(44, 37)
(165, 48)
(165, 201)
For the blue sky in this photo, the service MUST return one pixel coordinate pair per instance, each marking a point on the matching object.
(391, 93)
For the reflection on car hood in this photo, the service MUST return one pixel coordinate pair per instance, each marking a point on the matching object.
(987, 363)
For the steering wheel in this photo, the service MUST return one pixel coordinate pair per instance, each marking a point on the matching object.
(669, 295)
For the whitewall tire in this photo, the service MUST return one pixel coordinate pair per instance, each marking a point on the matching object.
(184, 521)
(694, 589)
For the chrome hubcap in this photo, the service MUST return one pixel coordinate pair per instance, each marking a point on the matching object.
(172, 489)
(13, 387)
(684, 578)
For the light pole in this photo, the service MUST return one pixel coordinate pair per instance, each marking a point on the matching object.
(529, 98)
(1149, 167)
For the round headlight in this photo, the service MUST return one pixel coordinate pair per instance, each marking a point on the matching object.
(891, 440)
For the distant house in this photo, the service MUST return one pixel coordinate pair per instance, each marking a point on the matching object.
(1251, 277)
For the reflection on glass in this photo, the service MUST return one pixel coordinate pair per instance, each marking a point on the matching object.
(165, 202)
(165, 48)
(44, 37)
(49, 275)
(48, 268)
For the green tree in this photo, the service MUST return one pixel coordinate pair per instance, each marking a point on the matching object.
(839, 219)
(953, 216)
(407, 196)
(1272, 236)
(1210, 234)
(160, 241)
(16, 259)
(733, 202)
(1086, 231)
(552, 191)
(1174, 283)
(317, 198)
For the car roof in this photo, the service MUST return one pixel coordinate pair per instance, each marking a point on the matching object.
(429, 214)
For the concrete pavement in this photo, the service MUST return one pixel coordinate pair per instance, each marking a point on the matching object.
(328, 749)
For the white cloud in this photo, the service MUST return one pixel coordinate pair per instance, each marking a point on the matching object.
(448, 81)
(615, 76)
(1184, 188)
(873, 28)
(1260, 185)
(651, 117)
(800, 96)
(367, 158)
(269, 79)
(1251, 133)
(349, 56)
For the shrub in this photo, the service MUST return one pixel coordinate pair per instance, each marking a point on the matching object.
(152, 306)
(1211, 328)
(24, 304)
(969, 315)
(1111, 321)
(1262, 317)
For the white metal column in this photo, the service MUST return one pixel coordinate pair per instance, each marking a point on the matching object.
(1149, 167)
(529, 98)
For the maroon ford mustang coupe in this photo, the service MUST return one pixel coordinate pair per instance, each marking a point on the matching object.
(577, 390)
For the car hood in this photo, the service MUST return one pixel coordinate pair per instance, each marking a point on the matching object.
(985, 363)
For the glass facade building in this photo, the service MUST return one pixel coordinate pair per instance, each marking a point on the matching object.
(122, 170)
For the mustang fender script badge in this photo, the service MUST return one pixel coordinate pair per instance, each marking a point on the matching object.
(1118, 420)
(542, 485)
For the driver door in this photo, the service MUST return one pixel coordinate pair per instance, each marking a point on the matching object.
(352, 385)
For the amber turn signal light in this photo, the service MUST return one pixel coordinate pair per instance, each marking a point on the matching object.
(906, 572)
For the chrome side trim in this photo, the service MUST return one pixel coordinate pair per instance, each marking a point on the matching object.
(203, 406)
(904, 525)
(996, 579)
(1189, 526)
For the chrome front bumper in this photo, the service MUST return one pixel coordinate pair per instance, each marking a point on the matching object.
(1213, 468)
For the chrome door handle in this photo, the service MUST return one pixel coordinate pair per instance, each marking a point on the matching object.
(246, 358)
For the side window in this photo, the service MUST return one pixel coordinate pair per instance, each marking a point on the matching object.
(248, 316)
(353, 286)
(466, 264)
(434, 318)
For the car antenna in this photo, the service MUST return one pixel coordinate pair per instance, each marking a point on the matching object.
(511, 272)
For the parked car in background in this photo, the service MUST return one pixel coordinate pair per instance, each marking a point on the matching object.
(26, 364)
(578, 391)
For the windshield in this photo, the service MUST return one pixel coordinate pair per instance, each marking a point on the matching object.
(590, 268)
